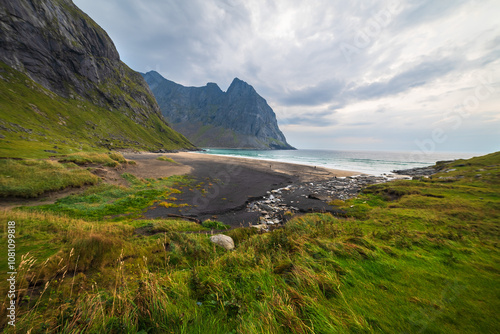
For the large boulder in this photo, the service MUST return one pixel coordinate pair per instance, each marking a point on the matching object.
(223, 241)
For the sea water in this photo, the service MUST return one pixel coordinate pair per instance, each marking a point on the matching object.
(369, 162)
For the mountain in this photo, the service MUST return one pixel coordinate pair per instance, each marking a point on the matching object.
(62, 82)
(209, 117)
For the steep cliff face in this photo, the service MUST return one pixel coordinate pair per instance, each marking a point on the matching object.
(209, 117)
(60, 48)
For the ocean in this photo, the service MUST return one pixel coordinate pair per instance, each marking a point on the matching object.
(369, 162)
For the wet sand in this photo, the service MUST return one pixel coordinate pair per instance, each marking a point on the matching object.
(148, 166)
(224, 184)
(221, 189)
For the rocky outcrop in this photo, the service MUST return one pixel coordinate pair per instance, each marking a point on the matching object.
(209, 117)
(424, 171)
(59, 47)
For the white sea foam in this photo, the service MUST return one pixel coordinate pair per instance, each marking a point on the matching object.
(370, 162)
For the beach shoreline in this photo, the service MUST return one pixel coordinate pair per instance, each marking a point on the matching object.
(223, 187)
(336, 171)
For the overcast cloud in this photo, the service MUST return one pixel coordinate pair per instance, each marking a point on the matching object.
(386, 75)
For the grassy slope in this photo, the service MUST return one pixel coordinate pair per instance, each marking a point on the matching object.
(33, 177)
(33, 119)
(413, 256)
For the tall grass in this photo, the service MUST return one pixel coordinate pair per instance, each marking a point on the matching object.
(113, 159)
(31, 178)
(415, 264)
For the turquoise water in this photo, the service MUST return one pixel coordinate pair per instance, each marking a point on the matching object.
(370, 162)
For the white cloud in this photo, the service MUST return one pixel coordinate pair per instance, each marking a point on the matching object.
(409, 62)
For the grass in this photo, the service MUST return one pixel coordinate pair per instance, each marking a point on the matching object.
(215, 225)
(105, 201)
(30, 178)
(112, 159)
(35, 120)
(167, 159)
(411, 256)
(33, 177)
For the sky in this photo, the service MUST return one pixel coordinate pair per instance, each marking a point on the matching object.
(414, 75)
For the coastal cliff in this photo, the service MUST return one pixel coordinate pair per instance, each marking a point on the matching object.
(210, 117)
(51, 50)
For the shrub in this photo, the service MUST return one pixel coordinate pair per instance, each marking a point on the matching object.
(215, 225)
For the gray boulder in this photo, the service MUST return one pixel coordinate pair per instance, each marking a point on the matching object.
(223, 241)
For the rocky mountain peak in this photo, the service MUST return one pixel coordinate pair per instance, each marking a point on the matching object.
(213, 87)
(240, 87)
(209, 117)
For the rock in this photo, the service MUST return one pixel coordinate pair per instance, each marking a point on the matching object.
(237, 118)
(222, 240)
(100, 172)
(61, 48)
(50, 151)
(422, 171)
(261, 227)
(266, 207)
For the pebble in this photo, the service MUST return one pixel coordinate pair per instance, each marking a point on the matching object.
(271, 206)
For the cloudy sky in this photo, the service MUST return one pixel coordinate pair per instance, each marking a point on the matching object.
(375, 75)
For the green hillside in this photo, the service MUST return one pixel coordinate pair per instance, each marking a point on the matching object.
(33, 119)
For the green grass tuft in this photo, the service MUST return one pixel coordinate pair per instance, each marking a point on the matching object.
(83, 158)
(215, 225)
(167, 159)
(31, 178)
(107, 201)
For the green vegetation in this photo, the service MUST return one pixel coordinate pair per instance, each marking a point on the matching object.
(106, 201)
(167, 159)
(31, 178)
(410, 256)
(84, 158)
(215, 225)
(35, 120)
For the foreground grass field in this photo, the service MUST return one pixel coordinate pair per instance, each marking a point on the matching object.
(416, 256)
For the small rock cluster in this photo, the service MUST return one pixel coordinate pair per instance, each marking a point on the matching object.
(417, 172)
(279, 204)
(271, 207)
(342, 187)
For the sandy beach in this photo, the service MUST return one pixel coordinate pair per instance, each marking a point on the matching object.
(221, 188)
(228, 184)
(202, 164)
